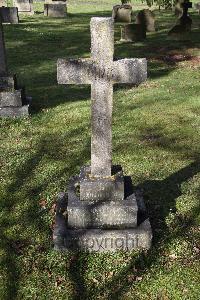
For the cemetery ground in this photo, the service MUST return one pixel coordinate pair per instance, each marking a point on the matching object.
(155, 138)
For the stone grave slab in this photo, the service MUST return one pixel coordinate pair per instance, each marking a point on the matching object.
(9, 15)
(13, 101)
(24, 6)
(100, 207)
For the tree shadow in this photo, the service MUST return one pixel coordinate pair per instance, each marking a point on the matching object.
(160, 197)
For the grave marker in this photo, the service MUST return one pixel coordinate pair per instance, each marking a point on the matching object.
(122, 13)
(101, 211)
(146, 19)
(55, 8)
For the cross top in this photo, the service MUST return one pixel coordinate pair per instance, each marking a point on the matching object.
(101, 72)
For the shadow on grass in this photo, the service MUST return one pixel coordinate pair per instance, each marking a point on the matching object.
(160, 197)
(15, 244)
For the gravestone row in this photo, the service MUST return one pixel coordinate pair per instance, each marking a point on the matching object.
(52, 8)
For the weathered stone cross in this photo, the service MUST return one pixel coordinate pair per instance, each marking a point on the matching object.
(101, 72)
(3, 65)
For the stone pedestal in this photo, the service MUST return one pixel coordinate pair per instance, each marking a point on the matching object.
(56, 9)
(9, 15)
(108, 218)
(24, 6)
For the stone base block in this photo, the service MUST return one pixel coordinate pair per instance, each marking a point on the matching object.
(55, 10)
(8, 83)
(99, 240)
(100, 189)
(112, 214)
(13, 98)
(14, 111)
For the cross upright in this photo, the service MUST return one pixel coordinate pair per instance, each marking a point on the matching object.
(3, 65)
(101, 72)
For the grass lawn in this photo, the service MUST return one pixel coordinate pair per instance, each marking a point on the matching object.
(155, 138)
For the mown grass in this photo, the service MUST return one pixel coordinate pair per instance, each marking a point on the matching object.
(155, 138)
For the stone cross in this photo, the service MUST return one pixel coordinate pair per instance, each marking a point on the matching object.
(3, 65)
(101, 72)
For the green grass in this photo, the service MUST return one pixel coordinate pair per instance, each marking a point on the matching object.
(155, 138)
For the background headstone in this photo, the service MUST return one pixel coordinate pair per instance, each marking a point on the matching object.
(9, 15)
(24, 6)
(182, 30)
(146, 19)
(132, 33)
(122, 13)
(58, 10)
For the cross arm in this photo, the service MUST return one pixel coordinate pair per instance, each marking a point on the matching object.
(130, 70)
(74, 71)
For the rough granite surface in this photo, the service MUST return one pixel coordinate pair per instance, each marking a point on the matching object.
(11, 111)
(101, 240)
